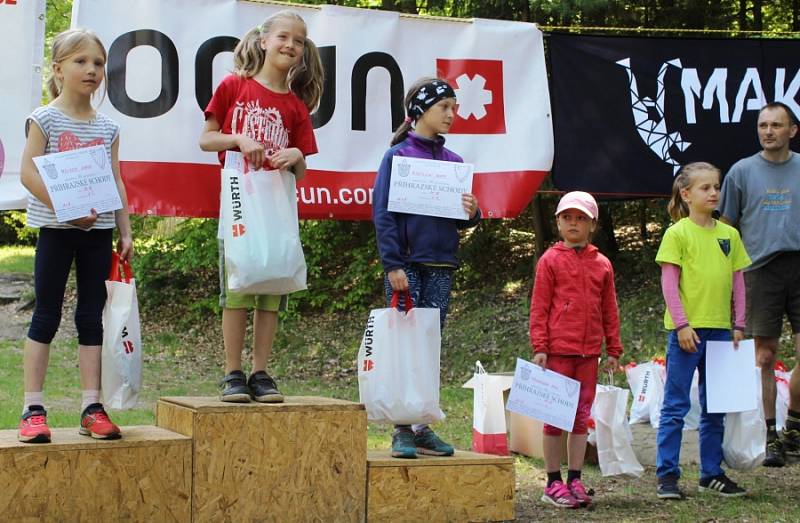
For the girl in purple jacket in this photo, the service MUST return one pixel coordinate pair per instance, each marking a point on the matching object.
(419, 253)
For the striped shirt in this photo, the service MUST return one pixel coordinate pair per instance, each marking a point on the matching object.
(64, 134)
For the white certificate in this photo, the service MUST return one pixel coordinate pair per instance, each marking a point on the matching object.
(429, 187)
(731, 377)
(78, 181)
(544, 395)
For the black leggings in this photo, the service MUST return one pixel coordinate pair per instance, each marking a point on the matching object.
(55, 251)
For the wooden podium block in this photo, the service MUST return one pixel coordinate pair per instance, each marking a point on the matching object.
(464, 487)
(302, 460)
(145, 476)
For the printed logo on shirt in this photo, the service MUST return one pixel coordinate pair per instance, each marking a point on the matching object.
(479, 92)
(69, 142)
(725, 245)
(777, 200)
(263, 125)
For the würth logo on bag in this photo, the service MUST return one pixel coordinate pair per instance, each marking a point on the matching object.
(236, 207)
(479, 90)
(368, 365)
(128, 346)
(368, 339)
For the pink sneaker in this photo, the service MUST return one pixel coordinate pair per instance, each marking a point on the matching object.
(578, 491)
(559, 495)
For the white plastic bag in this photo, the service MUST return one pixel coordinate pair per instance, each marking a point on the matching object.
(782, 379)
(612, 433)
(646, 381)
(745, 438)
(258, 211)
(121, 357)
(488, 413)
(398, 365)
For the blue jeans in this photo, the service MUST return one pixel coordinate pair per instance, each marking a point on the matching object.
(680, 371)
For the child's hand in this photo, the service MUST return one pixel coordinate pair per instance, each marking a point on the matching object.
(540, 359)
(688, 339)
(737, 337)
(398, 280)
(86, 222)
(252, 150)
(285, 158)
(612, 364)
(470, 204)
(125, 248)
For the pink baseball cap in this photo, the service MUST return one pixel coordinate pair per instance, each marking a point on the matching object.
(583, 201)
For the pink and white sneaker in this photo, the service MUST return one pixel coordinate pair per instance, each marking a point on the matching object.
(578, 492)
(558, 495)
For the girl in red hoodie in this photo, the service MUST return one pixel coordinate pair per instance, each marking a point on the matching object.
(573, 309)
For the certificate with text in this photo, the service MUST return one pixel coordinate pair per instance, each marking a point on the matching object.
(544, 395)
(429, 187)
(78, 181)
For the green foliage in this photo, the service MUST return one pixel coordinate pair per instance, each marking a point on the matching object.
(13, 230)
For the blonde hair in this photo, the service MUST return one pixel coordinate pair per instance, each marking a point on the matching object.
(402, 131)
(676, 207)
(305, 79)
(65, 45)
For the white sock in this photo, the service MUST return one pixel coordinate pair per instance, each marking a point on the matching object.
(32, 398)
(89, 397)
(419, 428)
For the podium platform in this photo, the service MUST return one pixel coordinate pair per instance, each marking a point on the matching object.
(144, 476)
(302, 460)
(463, 487)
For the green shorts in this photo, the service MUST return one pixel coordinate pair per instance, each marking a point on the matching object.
(236, 300)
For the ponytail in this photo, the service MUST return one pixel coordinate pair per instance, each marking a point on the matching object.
(306, 78)
(677, 208)
(248, 57)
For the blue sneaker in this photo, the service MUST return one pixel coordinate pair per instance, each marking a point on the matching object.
(427, 442)
(403, 444)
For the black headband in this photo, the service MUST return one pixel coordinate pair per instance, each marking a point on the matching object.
(427, 96)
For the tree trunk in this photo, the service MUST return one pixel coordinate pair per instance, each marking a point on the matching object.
(743, 15)
(795, 15)
(539, 231)
(758, 23)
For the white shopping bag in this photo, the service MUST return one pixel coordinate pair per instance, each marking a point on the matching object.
(745, 439)
(258, 211)
(612, 433)
(782, 379)
(488, 411)
(121, 360)
(398, 365)
(646, 381)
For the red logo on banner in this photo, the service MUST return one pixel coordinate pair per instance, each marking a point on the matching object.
(479, 90)
(368, 365)
(238, 230)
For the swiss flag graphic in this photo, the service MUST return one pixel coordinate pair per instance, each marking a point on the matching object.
(479, 90)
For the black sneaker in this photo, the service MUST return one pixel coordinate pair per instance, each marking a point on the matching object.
(790, 438)
(263, 389)
(234, 388)
(775, 455)
(722, 485)
(668, 487)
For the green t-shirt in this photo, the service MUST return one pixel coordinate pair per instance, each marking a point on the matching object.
(707, 258)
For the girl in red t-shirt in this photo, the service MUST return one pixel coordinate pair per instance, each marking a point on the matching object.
(262, 110)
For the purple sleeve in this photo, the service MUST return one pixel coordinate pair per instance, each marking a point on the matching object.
(670, 278)
(738, 301)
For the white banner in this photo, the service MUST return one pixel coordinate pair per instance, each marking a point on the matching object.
(22, 27)
(165, 58)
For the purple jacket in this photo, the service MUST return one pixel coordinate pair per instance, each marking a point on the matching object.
(411, 238)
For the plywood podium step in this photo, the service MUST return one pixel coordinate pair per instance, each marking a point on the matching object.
(144, 476)
(301, 460)
(464, 487)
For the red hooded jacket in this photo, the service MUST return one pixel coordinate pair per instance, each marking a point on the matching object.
(574, 304)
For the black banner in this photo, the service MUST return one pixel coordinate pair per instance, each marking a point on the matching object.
(627, 112)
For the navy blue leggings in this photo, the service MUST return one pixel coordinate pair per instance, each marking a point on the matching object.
(55, 251)
(428, 287)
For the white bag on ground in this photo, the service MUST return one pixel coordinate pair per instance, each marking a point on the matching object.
(613, 433)
(488, 412)
(121, 357)
(258, 211)
(398, 365)
(640, 382)
(745, 439)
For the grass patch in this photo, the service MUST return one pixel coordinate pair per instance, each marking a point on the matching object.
(16, 258)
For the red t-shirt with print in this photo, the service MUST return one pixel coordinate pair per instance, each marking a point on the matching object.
(276, 120)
